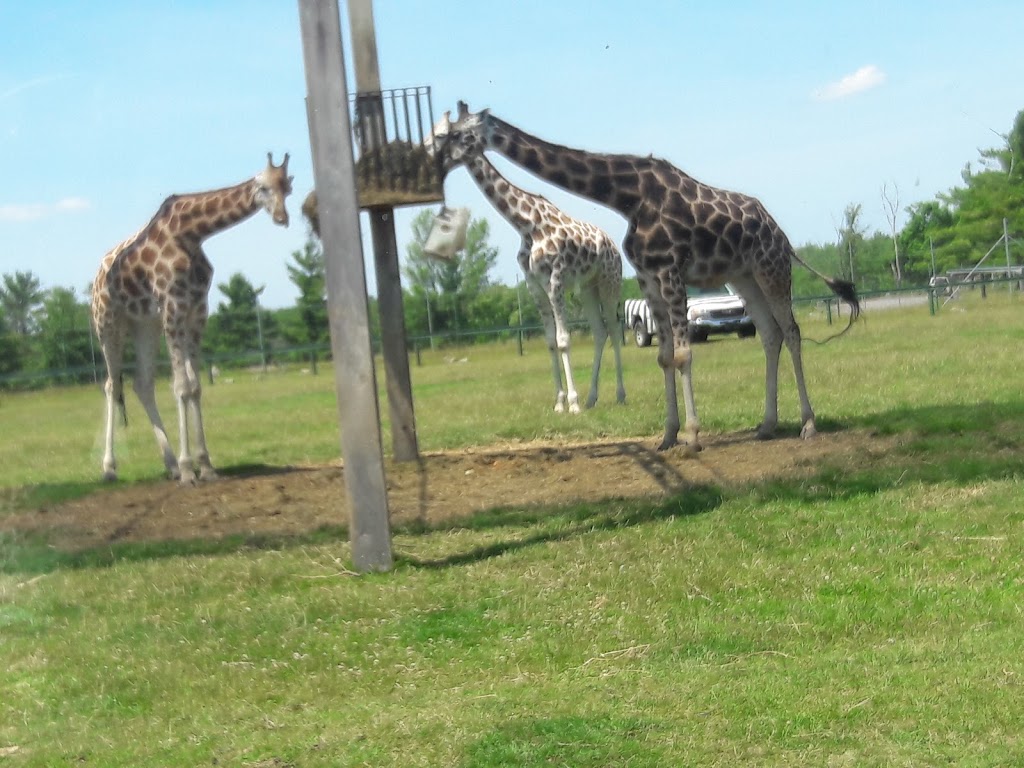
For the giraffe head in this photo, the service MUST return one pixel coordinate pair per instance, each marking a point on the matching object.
(273, 185)
(455, 142)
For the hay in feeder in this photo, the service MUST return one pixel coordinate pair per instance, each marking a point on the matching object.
(309, 210)
(399, 173)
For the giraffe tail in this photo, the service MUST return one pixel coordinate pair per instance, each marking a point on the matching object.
(846, 291)
(120, 400)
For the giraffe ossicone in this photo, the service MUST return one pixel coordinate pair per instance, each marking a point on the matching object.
(679, 231)
(158, 282)
(557, 253)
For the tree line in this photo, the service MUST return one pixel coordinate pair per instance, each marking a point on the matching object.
(955, 229)
(45, 334)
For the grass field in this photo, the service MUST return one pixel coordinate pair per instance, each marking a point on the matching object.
(868, 615)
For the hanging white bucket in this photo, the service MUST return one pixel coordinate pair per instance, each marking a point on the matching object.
(447, 234)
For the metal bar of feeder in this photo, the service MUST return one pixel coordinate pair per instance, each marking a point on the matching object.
(408, 125)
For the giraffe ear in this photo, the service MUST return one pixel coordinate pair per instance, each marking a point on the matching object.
(463, 110)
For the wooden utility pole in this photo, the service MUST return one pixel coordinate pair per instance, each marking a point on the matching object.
(347, 307)
(404, 445)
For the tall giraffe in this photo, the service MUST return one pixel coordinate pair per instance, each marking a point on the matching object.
(679, 231)
(557, 253)
(158, 281)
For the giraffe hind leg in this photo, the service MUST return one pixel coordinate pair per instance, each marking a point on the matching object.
(147, 339)
(111, 344)
(770, 334)
(592, 308)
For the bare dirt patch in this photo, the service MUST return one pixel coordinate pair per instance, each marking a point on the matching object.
(441, 487)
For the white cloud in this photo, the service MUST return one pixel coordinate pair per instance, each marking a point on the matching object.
(864, 79)
(72, 204)
(33, 211)
(28, 84)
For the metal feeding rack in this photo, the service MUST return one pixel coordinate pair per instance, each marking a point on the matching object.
(393, 167)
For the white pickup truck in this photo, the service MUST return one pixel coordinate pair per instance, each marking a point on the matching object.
(710, 311)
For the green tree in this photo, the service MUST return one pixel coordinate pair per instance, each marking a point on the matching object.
(21, 297)
(10, 348)
(307, 273)
(851, 236)
(966, 221)
(237, 326)
(64, 333)
(446, 290)
(927, 228)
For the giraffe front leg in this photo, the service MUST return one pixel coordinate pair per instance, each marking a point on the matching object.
(548, 319)
(771, 340)
(201, 455)
(556, 296)
(671, 437)
(182, 395)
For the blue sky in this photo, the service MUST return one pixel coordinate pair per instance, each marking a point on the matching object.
(108, 107)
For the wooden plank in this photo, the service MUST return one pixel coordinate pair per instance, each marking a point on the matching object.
(347, 306)
(397, 378)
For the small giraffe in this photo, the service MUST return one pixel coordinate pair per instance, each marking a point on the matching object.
(679, 231)
(158, 281)
(557, 253)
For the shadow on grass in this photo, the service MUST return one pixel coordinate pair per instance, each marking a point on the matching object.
(546, 525)
(50, 494)
(936, 444)
(32, 554)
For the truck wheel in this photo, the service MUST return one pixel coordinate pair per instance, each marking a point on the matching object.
(643, 338)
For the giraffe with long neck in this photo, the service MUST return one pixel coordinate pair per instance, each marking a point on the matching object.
(557, 253)
(679, 231)
(158, 281)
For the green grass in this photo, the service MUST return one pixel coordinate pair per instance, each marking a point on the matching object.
(867, 615)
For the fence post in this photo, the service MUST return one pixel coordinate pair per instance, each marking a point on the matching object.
(931, 301)
(828, 310)
(519, 337)
(419, 360)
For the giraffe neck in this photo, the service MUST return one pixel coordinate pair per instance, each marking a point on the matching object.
(612, 180)
(199, 215)
(504, 195)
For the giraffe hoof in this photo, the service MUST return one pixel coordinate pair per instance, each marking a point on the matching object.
(765, 433)
(206, 474)
(110, 476)
(808, 431)
(574, 408)
(667, 443)
(690, 450)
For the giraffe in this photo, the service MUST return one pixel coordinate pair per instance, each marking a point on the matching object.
(158, 281)
(557, 252)
(679, 231)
